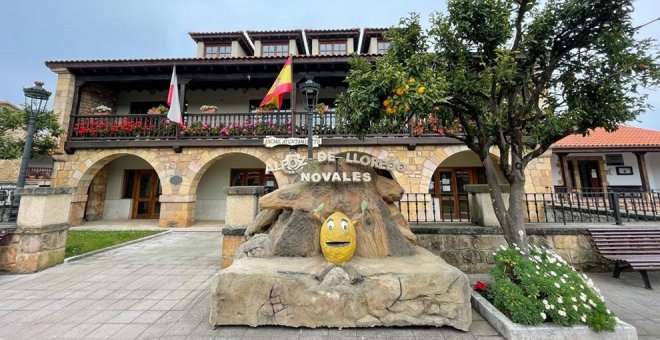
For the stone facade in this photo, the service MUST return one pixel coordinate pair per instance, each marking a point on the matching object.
(9, 169)
(94, 95)
(79, 168)
(96, 196)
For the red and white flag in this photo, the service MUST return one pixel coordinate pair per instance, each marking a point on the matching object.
(174, 114)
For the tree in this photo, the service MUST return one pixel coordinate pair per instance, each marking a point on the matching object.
(507, 75)
(13, 124)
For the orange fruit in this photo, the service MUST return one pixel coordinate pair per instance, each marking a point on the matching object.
(407, 87)
(411, 80)
(421, 90)
(399, 92)
(386, 102)
(389, 111)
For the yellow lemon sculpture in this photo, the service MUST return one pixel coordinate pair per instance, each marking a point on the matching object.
(338, 238)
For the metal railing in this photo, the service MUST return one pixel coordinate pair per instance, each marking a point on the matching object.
(592, 205)
(8, 206)
(421, 208)
(39, 172)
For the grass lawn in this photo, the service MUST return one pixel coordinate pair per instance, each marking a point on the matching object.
(83, 241)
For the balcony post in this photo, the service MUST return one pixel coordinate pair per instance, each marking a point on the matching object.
(643, 174)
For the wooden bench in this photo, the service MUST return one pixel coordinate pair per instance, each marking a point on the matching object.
(636, 248)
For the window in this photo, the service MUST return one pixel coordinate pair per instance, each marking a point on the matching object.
(275, 50)
(382, 47)
(614, 159)
(252, 177)
(217, 51)
(332, 48)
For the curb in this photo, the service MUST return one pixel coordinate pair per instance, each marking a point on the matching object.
(98, 251)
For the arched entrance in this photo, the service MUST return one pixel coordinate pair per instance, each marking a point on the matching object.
(125, 188)
(229, 170)
(447, 184)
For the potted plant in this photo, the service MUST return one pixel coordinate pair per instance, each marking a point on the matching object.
(102, 110)
(208, 109)
(158, 110)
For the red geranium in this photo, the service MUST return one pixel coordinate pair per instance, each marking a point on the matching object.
(479, 286)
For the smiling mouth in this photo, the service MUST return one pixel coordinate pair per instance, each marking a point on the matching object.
(337, 244)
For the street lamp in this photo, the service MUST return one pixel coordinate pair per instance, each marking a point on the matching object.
(310, 91)
(36, 98)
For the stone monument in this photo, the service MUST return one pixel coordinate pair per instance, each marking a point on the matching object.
(333, 250)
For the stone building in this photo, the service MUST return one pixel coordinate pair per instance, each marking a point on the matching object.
(131, 164)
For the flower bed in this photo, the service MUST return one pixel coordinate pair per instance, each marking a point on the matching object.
(546, 294)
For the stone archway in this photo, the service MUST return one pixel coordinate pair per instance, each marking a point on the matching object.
(87, 166)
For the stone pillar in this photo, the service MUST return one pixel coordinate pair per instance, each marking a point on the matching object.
(242, 204)
(481, 207)
(42, 226)
(176, 211)
(96, 199)
(77, 209)
(232, 238)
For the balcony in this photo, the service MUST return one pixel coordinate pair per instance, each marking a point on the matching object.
(232, 129)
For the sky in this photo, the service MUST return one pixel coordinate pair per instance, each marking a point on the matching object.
(33, 31)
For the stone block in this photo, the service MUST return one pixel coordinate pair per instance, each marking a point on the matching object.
(31, 243)
(485, 242)
(44, 207)
(241, 209)
(565, 241)
(413, 290)
(230, 244)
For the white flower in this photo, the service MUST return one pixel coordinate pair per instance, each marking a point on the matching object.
(562, 280)
(572, 288)
(543, 315)
(537, 267)
(552, 272)
(587, 306)
(494, 253)
(545, 302)
(583, 297)
(502, 247)
(583, 318)
(552, 260)
(557, 284)
(592, 303)
(573, 298)
(561, 312)
(552, 306)
(575, 307)
(560, 300)
(608, 311)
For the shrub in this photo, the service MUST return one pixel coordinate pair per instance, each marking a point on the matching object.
(546, 288)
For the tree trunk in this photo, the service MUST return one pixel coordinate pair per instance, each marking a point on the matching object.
(512, 220)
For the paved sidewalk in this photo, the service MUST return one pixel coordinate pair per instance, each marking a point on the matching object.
(150, 290)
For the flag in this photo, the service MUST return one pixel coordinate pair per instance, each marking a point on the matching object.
(281, 86)
(174, 114)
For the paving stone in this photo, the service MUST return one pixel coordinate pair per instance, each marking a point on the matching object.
(105, 331)
(130, 331)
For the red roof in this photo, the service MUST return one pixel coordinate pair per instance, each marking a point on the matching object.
(625, 136)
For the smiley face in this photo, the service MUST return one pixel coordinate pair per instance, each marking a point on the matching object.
(337, 238)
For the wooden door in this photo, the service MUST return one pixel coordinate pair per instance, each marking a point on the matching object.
(590, 175)
(146, 190)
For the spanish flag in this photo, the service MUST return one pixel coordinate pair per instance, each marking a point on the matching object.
(281, 86)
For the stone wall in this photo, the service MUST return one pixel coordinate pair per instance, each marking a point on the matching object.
(94, 95)
(471, 248)
(9, 169)
(79, 169)
(9, 244)
(96, 196)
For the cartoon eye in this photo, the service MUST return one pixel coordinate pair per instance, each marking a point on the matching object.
(331, 224)
(344, 224)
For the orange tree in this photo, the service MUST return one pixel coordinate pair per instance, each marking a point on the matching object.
(508, 75)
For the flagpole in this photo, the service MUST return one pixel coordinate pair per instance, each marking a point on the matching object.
(293, 101)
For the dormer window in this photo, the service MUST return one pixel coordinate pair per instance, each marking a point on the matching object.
(275, 50)
(332, 48)
(218, 51)
(382, 47)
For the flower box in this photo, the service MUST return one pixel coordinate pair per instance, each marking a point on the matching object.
(210, 111)
(154, 111)
(549, 330)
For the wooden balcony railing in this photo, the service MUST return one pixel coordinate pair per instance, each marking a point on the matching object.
(86, 131)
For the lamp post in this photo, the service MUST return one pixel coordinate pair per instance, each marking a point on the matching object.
(36, 98)
(310, 91)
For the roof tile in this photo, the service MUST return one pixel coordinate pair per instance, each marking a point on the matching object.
(625, 136)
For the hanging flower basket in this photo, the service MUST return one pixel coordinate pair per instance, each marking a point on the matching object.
(102, 110)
